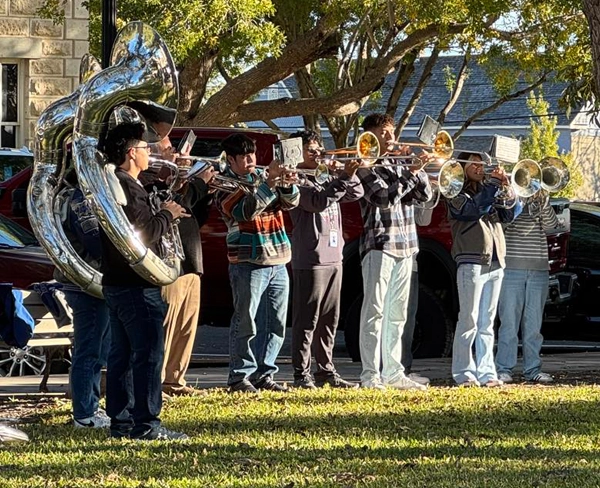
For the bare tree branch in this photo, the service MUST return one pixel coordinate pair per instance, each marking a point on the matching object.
(343, 102)
(416, 96)
(407, 68)
(457, 89)
(497, 103)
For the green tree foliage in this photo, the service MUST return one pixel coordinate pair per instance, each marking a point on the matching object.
(543, 141)
(340, 51)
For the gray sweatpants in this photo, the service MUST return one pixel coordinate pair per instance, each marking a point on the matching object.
(316, 312)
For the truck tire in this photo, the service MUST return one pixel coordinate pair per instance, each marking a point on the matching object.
(434, 330)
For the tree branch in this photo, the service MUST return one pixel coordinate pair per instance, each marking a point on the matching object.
(497, 103)
(416, 96)
(458, 86)
(343, 102)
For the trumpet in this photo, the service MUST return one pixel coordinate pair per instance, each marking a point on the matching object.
(218, 182)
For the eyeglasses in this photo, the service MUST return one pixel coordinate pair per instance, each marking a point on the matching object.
(147, 148)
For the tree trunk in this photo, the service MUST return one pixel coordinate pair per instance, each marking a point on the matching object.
(193, 79)
(591, 9)
(221, 108)
(227, 106)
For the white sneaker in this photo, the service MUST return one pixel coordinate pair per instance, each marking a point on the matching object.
(505, 377)
(97, 421)
(405, 383)
(542, 378)
(373, 384)
(422, 380)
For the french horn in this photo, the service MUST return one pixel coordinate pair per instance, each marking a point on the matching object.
(141, 76)
(52, 132)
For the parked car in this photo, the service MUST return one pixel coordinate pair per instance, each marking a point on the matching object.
(582, 320)
(15, 172)
(438, 299)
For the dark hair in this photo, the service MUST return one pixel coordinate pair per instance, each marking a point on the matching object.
(465, 156)
(377, 120)
(238, 145)
(121, 139)
(307, 136)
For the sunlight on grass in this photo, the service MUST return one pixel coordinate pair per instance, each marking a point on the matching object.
(445, 437)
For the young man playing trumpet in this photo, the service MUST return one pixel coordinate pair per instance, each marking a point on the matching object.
(258, 249)
(317, 245)
(387, 246)
(183, 295)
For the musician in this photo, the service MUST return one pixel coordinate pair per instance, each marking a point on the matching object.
(137, 311)
(387, 246)
(183, 295)
(478, 247)
(525, 289)
(317, 245)
(258, 250)
(91, 336)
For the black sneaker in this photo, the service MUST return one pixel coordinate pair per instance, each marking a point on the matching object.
(267, 383)
(162, 434)
(305, 382)
(335, 381)
(243, 386)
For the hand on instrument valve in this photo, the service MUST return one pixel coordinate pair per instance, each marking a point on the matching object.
(176, 210)
(350, 167)
(500, 174)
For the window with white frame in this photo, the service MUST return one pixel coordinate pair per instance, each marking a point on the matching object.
(9, 104)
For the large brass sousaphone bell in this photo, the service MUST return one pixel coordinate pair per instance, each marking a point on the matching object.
(142, 76)
(52, 132)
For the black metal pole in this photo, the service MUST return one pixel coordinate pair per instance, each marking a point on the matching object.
(109, 29)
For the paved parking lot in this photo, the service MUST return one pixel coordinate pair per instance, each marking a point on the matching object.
(214, 373)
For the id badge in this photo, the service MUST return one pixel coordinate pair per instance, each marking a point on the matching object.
(270, 249)
(333, 238)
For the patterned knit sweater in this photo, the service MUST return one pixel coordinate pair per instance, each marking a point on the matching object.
(255, 227)
(526, 243)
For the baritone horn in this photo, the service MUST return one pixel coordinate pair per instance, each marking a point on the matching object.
(555, 174)
(447, 180)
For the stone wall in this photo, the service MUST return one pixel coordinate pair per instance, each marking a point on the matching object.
(49, 55)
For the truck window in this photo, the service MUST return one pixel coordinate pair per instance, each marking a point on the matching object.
(10, 165)
(210, 148)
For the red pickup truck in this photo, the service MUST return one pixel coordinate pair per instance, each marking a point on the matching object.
(438, 301)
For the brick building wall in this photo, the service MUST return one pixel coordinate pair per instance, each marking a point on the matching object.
(47, 56)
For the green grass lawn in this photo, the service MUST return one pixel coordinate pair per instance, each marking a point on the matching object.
(444, 437)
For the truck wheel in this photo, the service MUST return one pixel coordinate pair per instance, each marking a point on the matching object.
(434, 330)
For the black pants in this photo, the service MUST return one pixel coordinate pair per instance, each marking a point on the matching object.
(411, 320)
(316, 312)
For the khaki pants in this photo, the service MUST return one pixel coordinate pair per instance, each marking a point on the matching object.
(183, 298)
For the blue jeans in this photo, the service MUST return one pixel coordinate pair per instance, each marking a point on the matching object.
(133, 379)
(522, 301)
(91, 340)
(478, 293)
(260, 302)
(386, 285)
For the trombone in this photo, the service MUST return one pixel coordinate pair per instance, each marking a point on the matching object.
(367, 147)
(441, 148)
